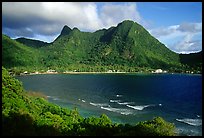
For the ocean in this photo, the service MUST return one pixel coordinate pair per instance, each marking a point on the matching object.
(127, 98)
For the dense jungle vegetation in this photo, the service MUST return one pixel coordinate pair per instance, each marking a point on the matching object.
(128, 47)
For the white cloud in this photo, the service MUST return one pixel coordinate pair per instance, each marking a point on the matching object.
(111, 14)
(44, 20)
(188, 45)
(48, 18)
(180, 38)
(190, 27)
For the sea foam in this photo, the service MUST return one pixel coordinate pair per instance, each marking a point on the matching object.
(125, 103)
(115, 101)
(192, 122)
(118, 110)
(118, 95)
(99, 104)
(56, 99)
(139, 107)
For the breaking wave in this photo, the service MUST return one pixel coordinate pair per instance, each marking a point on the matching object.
(56, 99)
(125, 103)
(140, 107)
(82, 100)
(192, 122)
(100, 104)
(118, 95)
(118, 110)
(53, 98)
(115, 101)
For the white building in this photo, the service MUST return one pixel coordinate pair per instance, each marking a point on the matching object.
(25, 72)
(109, 71)
(158, 71)
(51, 71)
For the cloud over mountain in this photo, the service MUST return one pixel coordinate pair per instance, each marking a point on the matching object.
(188, 35)
(113, 14)
(46, 18)
(44, 21)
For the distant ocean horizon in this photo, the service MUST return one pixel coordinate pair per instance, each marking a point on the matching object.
(127, 98)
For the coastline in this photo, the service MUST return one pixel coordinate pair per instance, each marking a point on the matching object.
(77, 73)
(103, 73)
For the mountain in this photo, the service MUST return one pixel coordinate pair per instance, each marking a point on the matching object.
(130, 44)
(15, 54)
(127, 44)
(31, 42)
(127, 47)
(65, 31)
(192, 59)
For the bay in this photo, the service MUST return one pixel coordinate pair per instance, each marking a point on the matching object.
(127, 98)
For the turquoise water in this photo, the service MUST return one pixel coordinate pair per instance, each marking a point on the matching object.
(127, 98)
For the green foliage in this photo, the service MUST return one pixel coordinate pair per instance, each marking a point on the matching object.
(156, 127)
(24, 114)
(32, 43)
(125, 47)
(192, 61)
(16, 54)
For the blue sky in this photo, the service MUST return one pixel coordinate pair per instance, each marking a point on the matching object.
(170, 13)
(176, 24)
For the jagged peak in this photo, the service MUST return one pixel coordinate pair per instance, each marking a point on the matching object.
(126, 22)
(75, 29)
(66, 30)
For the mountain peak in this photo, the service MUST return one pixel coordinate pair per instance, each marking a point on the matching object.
(66, 30)
(127, 21)
(75, 29)
(130, 22)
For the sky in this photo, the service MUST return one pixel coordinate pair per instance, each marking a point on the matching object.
(178, 25)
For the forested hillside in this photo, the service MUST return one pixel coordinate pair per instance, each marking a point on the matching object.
(194, 60)
(32, 43)
(15, 54)
(126, 47)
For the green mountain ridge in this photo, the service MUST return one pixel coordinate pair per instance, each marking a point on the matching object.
(191, 59)
(32, 42)
(17, 54)
(127, 47)
(65, 31)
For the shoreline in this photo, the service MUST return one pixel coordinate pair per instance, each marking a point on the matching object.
(77, 73)
(101, 73)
